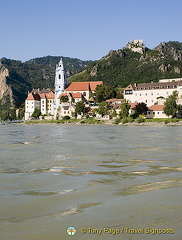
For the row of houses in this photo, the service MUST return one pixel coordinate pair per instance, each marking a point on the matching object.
(54, 108)
(50, 104)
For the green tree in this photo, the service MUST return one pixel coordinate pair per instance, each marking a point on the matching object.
(36, 113)
(103, 108)
(13, 114)
(80, 108)
(125, 107)
(141, 108)
(21, 113)
(103, 93)
(64, 99)
(170, 105)
(4, 115)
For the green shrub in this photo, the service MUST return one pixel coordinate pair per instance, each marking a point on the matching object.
(166, 121)
(124, 120)
(82, 122)
(66, 117)
(140, 120)
(117, 120)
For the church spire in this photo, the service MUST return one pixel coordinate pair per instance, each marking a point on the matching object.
(60, 79)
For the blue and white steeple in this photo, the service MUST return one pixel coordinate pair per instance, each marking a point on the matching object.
(60, 79)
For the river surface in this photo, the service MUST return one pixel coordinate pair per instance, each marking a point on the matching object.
(101, 178)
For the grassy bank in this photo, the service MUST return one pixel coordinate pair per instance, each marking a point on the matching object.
(124, 121)
(65, 121)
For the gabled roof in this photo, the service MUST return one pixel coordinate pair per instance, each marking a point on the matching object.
(83, 86)
(153, 85)
(156, 108)
(50, 95)
(33, 96)
(78, 86)
(94, 84)
(42, 95)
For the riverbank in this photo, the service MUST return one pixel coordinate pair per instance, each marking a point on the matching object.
(143, 122)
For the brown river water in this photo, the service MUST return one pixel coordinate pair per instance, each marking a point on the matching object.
(109, 182)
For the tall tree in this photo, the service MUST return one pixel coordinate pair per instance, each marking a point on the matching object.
(170, 105)
(141, 108)
(125, 107)
(103, 108)
(103, 93)
(79, 108)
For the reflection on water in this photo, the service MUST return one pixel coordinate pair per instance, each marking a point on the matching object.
(54, 176)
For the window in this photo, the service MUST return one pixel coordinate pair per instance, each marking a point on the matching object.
(146, 94)
(84, 93)
(59, 76)
(152, 93)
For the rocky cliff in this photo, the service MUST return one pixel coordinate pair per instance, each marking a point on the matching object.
(6, 93)
(135, 63)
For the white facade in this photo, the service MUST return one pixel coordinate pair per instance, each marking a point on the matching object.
(61, 83)
(30, 106)
(152, 93)
(60, 79)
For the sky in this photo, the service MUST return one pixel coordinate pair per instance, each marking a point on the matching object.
(84, 29)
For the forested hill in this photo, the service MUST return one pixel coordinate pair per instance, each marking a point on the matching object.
(124, 66)
(117, 69)
(21, 77)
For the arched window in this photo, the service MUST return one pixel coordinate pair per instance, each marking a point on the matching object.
(59, 76)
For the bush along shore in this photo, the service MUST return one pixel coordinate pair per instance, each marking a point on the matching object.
(128, 121)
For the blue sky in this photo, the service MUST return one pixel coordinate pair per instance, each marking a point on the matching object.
(85, 29)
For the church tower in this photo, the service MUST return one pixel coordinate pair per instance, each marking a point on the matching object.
(60, 79)
(61, 83)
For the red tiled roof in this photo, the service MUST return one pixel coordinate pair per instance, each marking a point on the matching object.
(76, 95)
(114, 100)
(33, 96)
(83, 86)
(78, 86)
(94, 84)
(156, 108)
(42, 95)
(63, 94)
(132, 105)
(50, 95)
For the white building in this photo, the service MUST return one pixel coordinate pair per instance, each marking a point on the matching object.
(49, 102)
(31, 103)
(156, 111)
(153, 93)
(39, 99)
